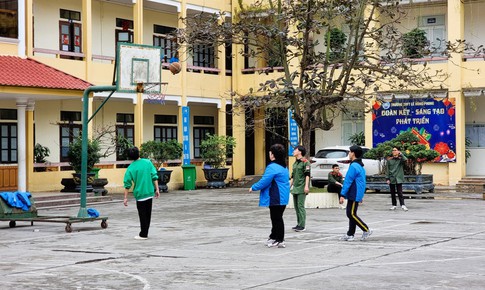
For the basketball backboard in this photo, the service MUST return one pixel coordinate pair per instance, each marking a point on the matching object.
(138, 64)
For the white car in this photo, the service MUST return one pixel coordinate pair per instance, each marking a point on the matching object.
(322, 163)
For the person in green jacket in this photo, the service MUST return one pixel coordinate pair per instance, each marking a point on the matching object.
(395, 177)
(142, 175)
(300, 186)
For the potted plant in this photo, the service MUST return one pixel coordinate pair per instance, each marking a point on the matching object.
(415, 43)
(75, 161)
(40, 153)
(214, 150)
(159, 152)
(417, 155)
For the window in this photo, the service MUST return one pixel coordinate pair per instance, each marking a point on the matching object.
(204, 56)
(126, 130)
(229, 128)
(8, 114)
(124, 30)
(165, 132)
(9, 19)
(168, 43)
(69, 116)
(8, 141)
(68, 133)
(200, 132)
(434, 26)
(476, 134)
(199, 135)
(203, 120)
(70, 33)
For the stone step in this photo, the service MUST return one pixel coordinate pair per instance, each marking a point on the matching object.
(68, 200)
(246, 181)
(472, 180)
(464, 187)
(44, 197)
(445, 189)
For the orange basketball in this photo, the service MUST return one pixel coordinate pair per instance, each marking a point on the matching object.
(175, 67)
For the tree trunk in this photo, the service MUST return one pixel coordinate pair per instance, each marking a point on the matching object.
(306, 131)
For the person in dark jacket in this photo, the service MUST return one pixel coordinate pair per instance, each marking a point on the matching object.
(274, 189)
(353, 190)
(395, 177)
(335, 182)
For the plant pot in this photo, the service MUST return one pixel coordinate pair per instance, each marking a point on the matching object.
(77, 181)
(215, 177)
(416, 183)
(163, 179)
(98, 186)
(69, 185)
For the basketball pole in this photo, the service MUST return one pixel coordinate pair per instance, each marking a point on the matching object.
(83, 212)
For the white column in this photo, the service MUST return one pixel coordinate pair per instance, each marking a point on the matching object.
(21, 27)
(21, 148)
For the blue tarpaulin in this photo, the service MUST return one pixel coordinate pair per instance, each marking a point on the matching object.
(17, 199)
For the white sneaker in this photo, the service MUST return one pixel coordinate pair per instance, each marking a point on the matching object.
(404, 208)
(269, 242)
(393, 207)
(276, 244)
(366, 235)
(140, 238)
(347, 238)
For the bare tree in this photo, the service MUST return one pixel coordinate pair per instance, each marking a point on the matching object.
(317, 74)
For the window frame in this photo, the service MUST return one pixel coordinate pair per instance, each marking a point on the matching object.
(10, 141)
(199, 137)
(71, 137)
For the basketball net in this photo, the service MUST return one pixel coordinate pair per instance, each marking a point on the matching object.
(154, 97)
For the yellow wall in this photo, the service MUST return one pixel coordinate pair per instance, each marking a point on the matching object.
(8, 48)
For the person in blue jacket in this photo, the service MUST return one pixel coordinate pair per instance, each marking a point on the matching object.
(274, 188)
(353, 190)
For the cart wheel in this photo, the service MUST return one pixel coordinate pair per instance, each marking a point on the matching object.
(104, 224)
(68, 228)
(12, 224)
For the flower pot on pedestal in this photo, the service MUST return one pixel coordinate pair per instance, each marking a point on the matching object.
(215, 177)
(416, 183)
(163, 179)
(77, 181)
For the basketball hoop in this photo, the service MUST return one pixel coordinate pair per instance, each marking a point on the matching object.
(154, 97)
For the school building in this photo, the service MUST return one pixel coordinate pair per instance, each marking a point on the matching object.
(52, 50)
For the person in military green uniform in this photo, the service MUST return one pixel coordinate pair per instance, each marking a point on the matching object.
(300, 186)
(335, 180)
(395, 177)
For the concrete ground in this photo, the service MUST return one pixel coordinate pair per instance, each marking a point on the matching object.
(214, 239)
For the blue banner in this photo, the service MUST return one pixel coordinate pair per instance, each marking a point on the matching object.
(432, 120)
(186, 134)
(293, 133)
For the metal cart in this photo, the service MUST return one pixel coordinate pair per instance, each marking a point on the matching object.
(13, 215)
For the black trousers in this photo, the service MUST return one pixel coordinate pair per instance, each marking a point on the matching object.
(393, 188)
(277, 223)
(145, 215)
(334, 188)
(354, 219)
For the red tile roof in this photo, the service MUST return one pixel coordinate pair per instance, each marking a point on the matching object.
(26, 72)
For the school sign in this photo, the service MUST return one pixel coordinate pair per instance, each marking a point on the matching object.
(431, 119)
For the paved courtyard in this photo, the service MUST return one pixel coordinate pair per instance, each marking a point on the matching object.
(214, 239)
